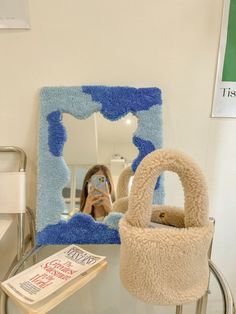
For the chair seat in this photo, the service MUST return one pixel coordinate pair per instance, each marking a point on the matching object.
(6, 220)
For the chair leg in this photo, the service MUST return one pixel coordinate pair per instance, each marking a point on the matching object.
(179, 309)
(32, 228)
(3, 309)
(201, 306)
(12, 271)
(21, 235)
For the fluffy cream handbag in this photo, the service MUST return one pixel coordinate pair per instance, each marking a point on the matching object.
(166, 265)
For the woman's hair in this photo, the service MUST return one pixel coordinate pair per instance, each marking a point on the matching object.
(89, 174)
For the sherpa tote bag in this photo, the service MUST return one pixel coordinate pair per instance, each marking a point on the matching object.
(166, 266)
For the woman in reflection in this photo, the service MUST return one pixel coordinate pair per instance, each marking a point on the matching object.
(95, 202)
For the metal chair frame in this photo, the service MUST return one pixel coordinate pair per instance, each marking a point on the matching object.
(22, 240)
(21, 216)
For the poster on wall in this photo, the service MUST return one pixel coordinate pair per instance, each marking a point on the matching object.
(14, 14)
(224, 102)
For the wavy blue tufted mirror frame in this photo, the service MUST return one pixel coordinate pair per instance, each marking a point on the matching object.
(53, 174)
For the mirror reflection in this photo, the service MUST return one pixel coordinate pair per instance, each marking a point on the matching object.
(96, 151)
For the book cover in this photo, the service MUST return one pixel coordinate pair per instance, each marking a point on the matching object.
(46, 277)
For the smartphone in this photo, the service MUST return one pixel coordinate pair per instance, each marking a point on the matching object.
(98, 182)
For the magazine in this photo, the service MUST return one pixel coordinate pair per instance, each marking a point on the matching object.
(44, 278)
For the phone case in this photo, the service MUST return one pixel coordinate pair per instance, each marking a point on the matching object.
(99, 182)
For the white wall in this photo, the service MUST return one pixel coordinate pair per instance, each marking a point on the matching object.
(166, 43)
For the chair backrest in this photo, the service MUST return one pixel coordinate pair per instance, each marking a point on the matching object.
(12, 192)
(13, 195)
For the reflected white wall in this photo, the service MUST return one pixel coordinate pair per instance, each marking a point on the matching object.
(81, 145)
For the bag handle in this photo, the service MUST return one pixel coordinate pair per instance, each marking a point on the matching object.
(193, 182)
(123, 182)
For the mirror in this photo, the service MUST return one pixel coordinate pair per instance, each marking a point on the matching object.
(85, 126)
(108, 143)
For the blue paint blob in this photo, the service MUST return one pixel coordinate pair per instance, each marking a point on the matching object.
(119, 101)
(56, 133)
(81, 229)
(145, 147)
(112, 220)
(158, 183)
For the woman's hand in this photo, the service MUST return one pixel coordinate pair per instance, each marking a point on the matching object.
(90, 201)
(104, 199)
(106, 203)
